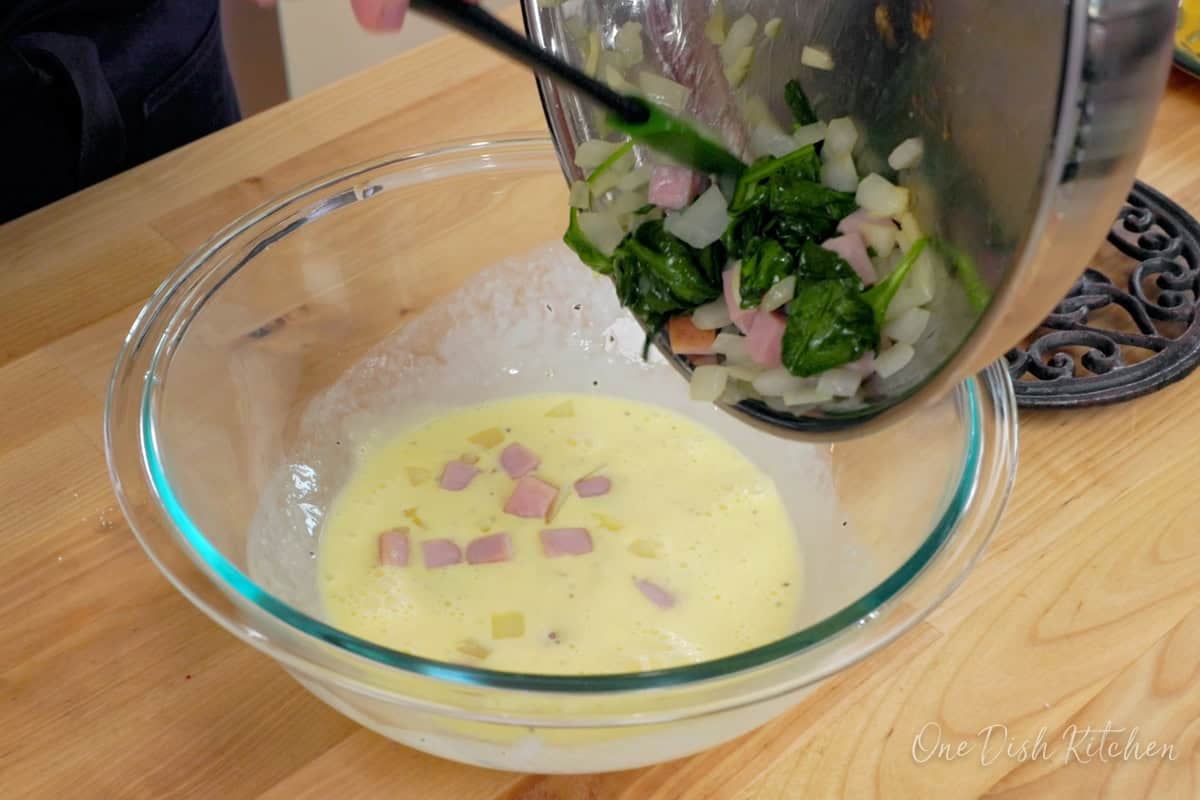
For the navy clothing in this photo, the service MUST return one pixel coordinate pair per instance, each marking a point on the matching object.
(93, 87)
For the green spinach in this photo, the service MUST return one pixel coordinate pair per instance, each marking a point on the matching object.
(797, 101)
(832, 322)
(764, 264)
(588, 253)
(816, 264)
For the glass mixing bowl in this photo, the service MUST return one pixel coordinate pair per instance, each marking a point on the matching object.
(379, 296)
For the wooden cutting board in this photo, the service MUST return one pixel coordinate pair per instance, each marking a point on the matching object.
(1085, 609)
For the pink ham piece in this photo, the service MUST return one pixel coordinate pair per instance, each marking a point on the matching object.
(655, 593)
(440, 553)
(595, 486)
(854, 223)
(457, 475)
(393, 548)
(851, 248)
(491, 549)
(566, 542)
(532, 499)
(743, 318)
(517, 461)
(765, 341)
(864, 366)
(674, 188)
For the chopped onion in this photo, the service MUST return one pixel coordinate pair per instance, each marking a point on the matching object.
(894, 359)
(880, 238)
(711, 316)
(636, 179)
(606, 181)
(842, 136)
(780, 294)
(839, 382)
(922, 278)
(664, 91)
(740, 35)
(755, 111)
(615, 80)
(810, 134)
(714, 29)
(768, 139)
(602, 230)
(906, 299)
(880, 197)
(708, 383)
(703, 222)
(594, 152)
(910, 230)
(806, 397)
(839, 173)
(628, 202)
(908, 327)
(778, 382)
(574, 25)
(736, 72)
(733, 347)
(581, 195)
(628, 42)
(592, 65)
(772, 27)
(907, 154)
(745, 372)
(816, 57)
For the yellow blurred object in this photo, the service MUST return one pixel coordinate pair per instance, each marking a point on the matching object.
(1187, 34)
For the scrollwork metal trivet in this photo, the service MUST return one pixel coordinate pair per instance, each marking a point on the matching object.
(1131, 323)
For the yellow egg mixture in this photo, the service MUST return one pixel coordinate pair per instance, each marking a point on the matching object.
(686, 512)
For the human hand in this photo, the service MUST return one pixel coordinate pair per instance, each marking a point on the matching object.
(374, 15)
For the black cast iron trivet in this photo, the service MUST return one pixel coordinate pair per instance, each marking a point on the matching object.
(1130, 325)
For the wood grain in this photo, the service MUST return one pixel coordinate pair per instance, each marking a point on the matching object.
(113, 686)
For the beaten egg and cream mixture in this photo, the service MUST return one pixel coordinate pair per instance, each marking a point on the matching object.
(561, 534)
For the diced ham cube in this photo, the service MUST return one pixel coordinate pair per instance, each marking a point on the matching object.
(655, 593)
(517, 461)
(532, 499)
(852, 249)
(855, 222)
(764, 343)
(594, 486)
(674, 188)
(688, 340)
(566, 542)
(743, 318)
(393, 548)
(457, 475)
(440, 553)
(491, 549)
(864, 366)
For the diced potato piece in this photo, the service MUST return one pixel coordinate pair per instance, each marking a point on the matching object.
(562, 410)
(487, 439)
(418, 475)
(509, 625)
(607, 522)
(644, 548)
(473, 649)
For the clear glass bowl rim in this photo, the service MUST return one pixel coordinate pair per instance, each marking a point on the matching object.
(241, 588)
